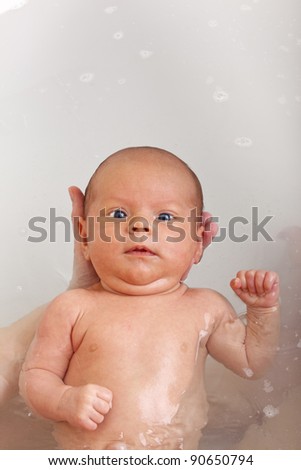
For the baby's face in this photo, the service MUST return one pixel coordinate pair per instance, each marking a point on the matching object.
(141, 239)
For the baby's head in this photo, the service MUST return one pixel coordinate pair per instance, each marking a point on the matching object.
(142, 156)
(144, 203)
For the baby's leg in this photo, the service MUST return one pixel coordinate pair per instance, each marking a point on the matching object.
(14, 342)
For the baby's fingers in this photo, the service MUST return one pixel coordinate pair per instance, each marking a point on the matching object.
(260, 277)
(239, 282)
(271, 281)
(102, 406)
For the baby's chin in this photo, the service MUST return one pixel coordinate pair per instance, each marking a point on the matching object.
(122, 287)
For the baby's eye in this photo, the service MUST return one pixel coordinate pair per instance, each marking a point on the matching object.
(165, 216)
(118, 214)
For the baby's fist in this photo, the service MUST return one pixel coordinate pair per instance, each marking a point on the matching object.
(86, 406)
(257, 288)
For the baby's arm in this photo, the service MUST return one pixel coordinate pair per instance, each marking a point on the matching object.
(41, 378)
(249, 350)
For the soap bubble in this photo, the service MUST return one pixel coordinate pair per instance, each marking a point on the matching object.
(110, 10)
(270, 411)
(243, 142)
(267, 386)
(212, 23)
(9, 5)
(245, 7)
(18, 4)
(118, 35)
(145, 54)
(284, 49)
(248, 372)
(23, 232)
(121, 81)
(209, 80)
(86, 77)
(282, 99)
(220, 96)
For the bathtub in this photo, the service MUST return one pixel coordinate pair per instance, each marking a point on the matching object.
(217, 83)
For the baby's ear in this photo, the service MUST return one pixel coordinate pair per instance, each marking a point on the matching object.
(83, 233)
(199, 248)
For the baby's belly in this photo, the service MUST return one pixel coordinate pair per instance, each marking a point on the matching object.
(153, 417)
(156, 404)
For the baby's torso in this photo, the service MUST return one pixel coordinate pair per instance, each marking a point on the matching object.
(150, 352)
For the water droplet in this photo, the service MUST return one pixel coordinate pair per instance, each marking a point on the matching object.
(122, 81)
(284, 49)
(212, 23)
(243, 142)
(248, 372)
(209, 80)
(245, 7)
(118, 35)
(220, 96)
(145, 54)
(19, 289)
(18, 4)
(9, 5)
(23, 232)
(110, 10)
(267, 386)
(282, 100)
(270, 411)
(86, 77)
(299, 344)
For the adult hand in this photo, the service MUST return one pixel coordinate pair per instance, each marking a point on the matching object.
(83, 274)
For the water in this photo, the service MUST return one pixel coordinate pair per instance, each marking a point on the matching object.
(217, 83)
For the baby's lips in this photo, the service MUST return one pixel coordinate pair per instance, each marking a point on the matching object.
(141, 248)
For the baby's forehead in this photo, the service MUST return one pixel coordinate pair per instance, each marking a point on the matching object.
(154, 168)
(142, 164)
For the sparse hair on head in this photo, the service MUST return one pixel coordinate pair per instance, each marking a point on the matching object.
(198, 187)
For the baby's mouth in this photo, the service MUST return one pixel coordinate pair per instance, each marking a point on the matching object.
(140, 251)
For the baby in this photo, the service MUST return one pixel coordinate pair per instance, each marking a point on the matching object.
(120, 365)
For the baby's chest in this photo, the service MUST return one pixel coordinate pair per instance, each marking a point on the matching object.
(145, 336)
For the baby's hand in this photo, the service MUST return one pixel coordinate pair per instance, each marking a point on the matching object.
(257, 288)
(86, 406)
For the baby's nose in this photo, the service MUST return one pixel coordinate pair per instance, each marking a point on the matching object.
(139, 224)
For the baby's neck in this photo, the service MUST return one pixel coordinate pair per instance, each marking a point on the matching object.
(134, 290)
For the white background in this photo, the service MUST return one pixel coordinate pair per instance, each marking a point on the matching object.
(216, 82)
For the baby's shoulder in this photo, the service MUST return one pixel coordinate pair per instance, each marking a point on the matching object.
(68, 305)
(210, 300)
(206, 294)
(70, 297)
